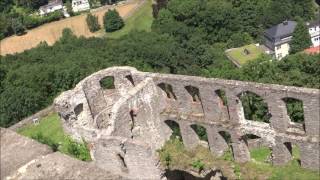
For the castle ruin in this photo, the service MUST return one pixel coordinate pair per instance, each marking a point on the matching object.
(126, 122)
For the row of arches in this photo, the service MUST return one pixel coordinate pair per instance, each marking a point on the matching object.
(201, 131)
(291, 149)
(254, 106)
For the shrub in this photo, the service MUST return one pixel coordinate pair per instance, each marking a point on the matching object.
(31, 22)
(17, 26)
(112, 21)
(198, 164)
(167, 158)
(54, 16)
(78, 150)
(34, 21)
(92, 22)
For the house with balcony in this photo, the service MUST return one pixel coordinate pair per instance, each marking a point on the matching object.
(314, 31)
(80, 5)
(277, 38)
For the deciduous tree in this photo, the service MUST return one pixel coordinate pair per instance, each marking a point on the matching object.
(112, 21)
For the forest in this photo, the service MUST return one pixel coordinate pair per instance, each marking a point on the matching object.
(188, 37)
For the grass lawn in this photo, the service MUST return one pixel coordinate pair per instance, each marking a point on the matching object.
(241, 58)
(51, 131)
(173, 155)
(140, 20)
(290, 171)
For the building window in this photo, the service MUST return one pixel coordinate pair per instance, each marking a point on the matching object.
(278, 47)
(280, 55)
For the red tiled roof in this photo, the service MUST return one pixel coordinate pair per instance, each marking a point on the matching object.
(313, 50)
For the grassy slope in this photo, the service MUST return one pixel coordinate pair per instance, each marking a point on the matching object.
(50, 127)
(291, 171)
(238, 55)
(174, 155)
(141, 20)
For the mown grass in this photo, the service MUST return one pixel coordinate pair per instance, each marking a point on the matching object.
(50, 131)
(173, 155)
(141, 20)
(239, 55)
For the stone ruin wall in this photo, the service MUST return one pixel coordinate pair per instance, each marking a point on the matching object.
(126, 125)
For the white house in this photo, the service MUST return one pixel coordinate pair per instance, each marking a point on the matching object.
(80, 5)
(277, 38)
(52, 6)
(314, 31)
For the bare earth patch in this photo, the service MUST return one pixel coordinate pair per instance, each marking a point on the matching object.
(51, 32)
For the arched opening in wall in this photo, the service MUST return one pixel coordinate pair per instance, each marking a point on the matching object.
(294, 151)
(167, 88)
(295, 111)
(194, 92)
(78, 109)
(228, 155)
(222, 95)
(226, 136)
(130, 79)
(255, 109)
(175, 128)
(223, 100)
(107, 82)
(259, 151)
(201, 132)
(250, 139)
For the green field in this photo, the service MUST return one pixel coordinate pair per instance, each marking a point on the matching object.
(241, 58)
(141, 20)
(50, 131)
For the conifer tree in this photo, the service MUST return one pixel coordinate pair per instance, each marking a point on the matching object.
(300, 39)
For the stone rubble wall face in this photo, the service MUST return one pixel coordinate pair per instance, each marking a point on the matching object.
(139, 160)
(153, 106)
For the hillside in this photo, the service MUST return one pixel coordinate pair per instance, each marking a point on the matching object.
(51, 32)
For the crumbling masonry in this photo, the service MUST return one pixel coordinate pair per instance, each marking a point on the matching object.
(126, 124)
